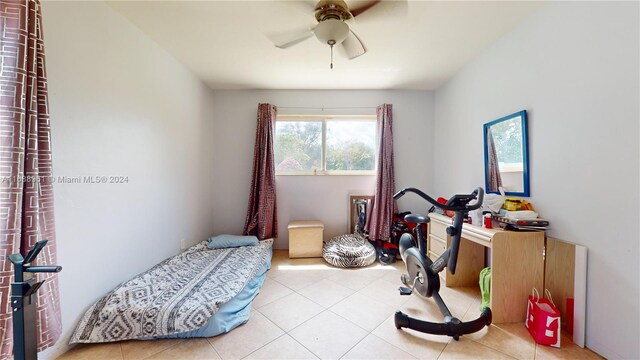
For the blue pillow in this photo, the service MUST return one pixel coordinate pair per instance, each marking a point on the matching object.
(231, 241)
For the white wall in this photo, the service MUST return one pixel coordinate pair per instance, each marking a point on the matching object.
(120, 105)
(574, 67)
(322, 198)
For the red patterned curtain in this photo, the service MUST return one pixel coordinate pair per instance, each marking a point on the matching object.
(493, 170)
(384, 206)
(26, 200)
(261, 218)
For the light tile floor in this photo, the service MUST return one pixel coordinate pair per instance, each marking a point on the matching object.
(309, 310)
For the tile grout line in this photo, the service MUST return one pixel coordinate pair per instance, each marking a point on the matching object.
(500, 350)
(214, 349)
(350, 288)
(287, 332)
(274, 300)
(382, 339)
(301, 344)
(276, 280)
(159, 351)
(281, 335)
(349, 321)
(354, 345)
(444, 348)
(326, 307)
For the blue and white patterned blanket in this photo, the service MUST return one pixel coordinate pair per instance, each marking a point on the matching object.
(179, 294)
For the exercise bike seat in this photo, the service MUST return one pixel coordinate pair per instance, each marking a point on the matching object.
(416, 218)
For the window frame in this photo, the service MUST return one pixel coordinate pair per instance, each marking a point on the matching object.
(324, 119)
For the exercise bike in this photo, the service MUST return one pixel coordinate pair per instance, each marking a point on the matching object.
(422, 273)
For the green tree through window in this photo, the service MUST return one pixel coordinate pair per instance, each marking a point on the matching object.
(298, 145)
(349, 145)
(507, 136)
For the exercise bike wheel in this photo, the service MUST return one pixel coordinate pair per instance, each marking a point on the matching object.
(425, 282)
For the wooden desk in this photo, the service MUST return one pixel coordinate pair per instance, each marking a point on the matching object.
(517, 264)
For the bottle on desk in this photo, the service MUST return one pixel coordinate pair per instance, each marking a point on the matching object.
(487, 221)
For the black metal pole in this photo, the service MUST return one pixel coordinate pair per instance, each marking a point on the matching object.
(23, 302)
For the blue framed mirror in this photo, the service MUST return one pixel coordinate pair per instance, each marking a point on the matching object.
(506, 155)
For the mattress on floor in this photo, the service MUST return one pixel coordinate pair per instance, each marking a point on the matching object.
(180, 297)
(232, 314)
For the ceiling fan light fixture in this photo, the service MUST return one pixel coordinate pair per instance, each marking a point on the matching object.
(332, 30)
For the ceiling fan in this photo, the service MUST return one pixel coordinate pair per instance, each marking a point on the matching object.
(332, 28)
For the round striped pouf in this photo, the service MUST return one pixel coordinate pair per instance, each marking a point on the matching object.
(351, 250)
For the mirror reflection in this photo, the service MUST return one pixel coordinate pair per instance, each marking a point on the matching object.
(505, 155)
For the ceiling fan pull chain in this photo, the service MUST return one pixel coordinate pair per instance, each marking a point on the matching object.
(331, 43)
(332, 57)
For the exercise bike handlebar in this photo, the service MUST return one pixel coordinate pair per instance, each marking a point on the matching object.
(455, 203)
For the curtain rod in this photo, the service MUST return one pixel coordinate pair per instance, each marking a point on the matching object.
(326, 108)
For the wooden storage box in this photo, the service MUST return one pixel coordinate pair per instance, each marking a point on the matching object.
(305, 239)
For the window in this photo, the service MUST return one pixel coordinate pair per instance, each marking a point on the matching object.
(325, 145)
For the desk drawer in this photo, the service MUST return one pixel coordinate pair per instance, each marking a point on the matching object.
(437, 245)
(438, 229)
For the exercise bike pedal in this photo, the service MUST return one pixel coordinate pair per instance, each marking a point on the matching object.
(405, 290)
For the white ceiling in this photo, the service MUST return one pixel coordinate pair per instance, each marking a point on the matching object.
(410, 45)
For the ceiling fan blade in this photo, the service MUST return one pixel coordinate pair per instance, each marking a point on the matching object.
(353, 46)
(305, 6)
(363, 6)
(287, 39)
(295, 41)
(378, 9)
